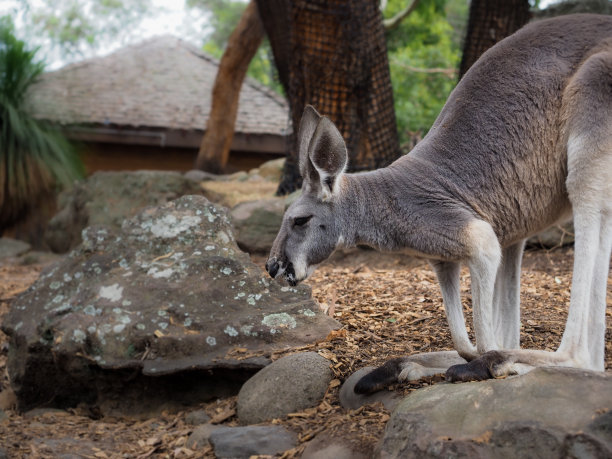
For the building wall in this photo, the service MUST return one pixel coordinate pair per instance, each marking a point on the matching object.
(113, 157)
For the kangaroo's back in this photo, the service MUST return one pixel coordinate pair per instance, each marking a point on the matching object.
(501, 138)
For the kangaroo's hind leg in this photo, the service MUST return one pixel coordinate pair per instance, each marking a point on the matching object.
(589, 185)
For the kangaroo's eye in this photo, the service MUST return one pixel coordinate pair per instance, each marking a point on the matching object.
(301, 221)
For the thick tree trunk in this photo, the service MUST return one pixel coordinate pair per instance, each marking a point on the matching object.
(241, 47)
(490, 21)
(332, 54)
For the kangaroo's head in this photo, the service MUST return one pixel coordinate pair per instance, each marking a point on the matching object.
(311, 228)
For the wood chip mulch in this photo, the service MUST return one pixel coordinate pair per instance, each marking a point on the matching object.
(387, 308)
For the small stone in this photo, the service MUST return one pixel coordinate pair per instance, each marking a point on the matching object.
(351, 401)
(243, 442)
(196, 418)
(327, 446)
(290, 384)
(199, 438)
(12, 247)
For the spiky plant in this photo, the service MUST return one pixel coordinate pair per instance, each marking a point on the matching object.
(34, 158)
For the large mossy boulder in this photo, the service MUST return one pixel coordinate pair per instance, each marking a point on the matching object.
(169, 293)
(108, 198)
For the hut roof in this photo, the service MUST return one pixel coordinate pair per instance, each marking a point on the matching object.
(163, 82)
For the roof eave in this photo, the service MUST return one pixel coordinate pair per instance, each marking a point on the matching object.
(181, 138)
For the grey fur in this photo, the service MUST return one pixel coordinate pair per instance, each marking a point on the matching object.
(492, 171)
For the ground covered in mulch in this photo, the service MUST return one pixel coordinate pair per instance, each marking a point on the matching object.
(389, 306)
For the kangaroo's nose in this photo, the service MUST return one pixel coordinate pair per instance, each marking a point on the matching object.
(272, 268)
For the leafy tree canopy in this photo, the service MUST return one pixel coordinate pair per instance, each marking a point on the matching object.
(75, 26)
(424, 52)
(224, 15)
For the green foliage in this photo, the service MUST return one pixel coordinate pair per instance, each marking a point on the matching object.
(33, 158)
(75, 25)
(225, 15)
(424, 52)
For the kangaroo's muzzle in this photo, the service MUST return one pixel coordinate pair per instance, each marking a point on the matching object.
(272, 267)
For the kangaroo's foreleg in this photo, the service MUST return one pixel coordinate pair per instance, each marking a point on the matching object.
(506, 299)
(448, 274)
(484, 264)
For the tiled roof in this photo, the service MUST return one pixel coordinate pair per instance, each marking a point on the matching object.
(163, 82)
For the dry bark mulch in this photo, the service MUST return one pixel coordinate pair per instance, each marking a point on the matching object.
(388, 307)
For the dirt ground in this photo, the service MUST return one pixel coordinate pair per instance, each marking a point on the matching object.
(388, 306)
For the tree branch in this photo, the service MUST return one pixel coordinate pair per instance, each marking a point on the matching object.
(396, 20)
(450, 73)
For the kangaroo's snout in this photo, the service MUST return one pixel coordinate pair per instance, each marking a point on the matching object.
(272, 267)
(276, 269)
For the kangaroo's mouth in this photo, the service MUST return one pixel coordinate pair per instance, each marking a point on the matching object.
(290, 275)
(276, 269)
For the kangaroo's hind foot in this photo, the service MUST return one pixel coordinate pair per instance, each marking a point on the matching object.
(410, 368)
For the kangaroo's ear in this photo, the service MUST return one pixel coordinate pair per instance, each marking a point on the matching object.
(308, 124)
(327, 154)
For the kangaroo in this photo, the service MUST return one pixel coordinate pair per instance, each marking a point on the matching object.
(523, 142)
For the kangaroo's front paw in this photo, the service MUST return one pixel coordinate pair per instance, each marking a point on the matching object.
(487, 366)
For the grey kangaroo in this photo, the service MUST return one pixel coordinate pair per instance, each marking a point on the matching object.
(523, 142)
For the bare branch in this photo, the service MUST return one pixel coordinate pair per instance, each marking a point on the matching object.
(450, 73)
(396, 20)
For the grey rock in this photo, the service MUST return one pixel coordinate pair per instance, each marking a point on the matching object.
(290, 384)
(351, 401)
(3, 453)
(10, 248)
(3, 415)
(326, 446)
(201, 176)
(271, 170)
(108, 198)
(197, 417)
(200, 437)
(547, 413)
(169, 293)
(257, 223)
(243, 442)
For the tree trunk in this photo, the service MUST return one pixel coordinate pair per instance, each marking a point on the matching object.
(332, 54)
(241, 47)
(490, 21)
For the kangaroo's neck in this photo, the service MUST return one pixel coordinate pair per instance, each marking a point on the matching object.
(405, 206)
(374, 207)
(363, 203)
